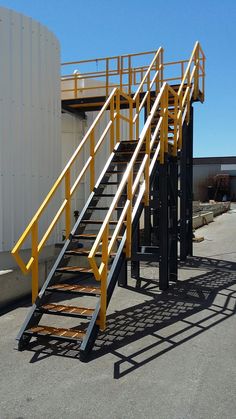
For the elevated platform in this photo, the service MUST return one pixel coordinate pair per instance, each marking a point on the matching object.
(95, 103)
(84, 91)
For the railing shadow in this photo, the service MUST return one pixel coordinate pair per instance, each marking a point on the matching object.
(162, 323)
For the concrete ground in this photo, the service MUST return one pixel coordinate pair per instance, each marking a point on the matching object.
(168, 355)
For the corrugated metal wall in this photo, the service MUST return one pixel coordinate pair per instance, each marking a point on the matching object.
(30, 133)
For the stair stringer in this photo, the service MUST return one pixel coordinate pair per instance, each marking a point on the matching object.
(33, 317)
(113, 276)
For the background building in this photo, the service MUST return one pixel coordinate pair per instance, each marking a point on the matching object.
(204, 171)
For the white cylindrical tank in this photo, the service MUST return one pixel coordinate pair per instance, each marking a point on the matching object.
(30, 108)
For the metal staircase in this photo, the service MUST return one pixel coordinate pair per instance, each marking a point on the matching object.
(139, 177)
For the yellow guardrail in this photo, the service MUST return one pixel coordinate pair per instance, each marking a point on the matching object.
(124, 71)
(169, 104)
(113, 127)
(131, 183)
(152, 83)
(112, 105)
(119, 71)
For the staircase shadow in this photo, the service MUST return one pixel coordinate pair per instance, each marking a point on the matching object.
(141, 333)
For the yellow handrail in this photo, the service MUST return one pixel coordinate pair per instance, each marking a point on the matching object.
(115, 70)
(110, 105)
(162, 104)
(152, 79)
(128, 181)
(121, 75)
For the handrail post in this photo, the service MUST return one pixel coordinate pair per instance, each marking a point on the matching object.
(188, 96)
(68, 203)
(92, 164)
(146, 169)
(112, 131)
(35, 264)
(107, 77)
(196, 75)
(117, 116)
(164, 124)
(179, 145)
(148, 105)
(129, 216)
(182, 70)
(103, 307)
(157, 67)
(203, 76)
(130, 74)
(121, 72)
(76, 85)
(175, 125)
(162, 66)
(130, 120)
(137, 116)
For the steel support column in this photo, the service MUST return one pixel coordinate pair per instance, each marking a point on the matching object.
(135, 264)
(155, 211)
(173, 218)
(186, 189)
(163, 226)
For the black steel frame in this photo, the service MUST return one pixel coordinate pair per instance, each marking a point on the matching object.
(171, 202)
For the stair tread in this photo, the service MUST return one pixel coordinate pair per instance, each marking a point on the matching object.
(108, 194)
(97, 222)
(57, 332)
(125, 162)
(74, 269)
(105, 208)
(85, 252)
(91, 236)
(130, 152)
(61, 308)
(83, 289)
(109, 183)
(117, 172)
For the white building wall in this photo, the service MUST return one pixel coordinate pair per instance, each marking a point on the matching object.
(30, 143)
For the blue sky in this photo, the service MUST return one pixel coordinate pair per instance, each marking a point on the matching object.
(89, 29)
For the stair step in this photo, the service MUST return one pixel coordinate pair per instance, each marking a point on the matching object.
(90, 236)
(76, 289)
(131, 152)
(115, 172)
(84, 252)
(104, 208)
(55, 332)
(128, 142)
(74, 270)
(118, 172)
(97, 222)
(109, 183)
(125, 162)
(64, 310)
(105, 195)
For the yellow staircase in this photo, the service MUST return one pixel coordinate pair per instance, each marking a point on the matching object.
(125, 181)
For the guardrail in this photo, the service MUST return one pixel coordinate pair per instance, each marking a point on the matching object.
(178, 110)
(120, 71)
(113, 127)
(124, 71)
(131, 183)
(152, 81)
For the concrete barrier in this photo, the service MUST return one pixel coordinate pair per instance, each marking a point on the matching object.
(202, 219)
(14, 285)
